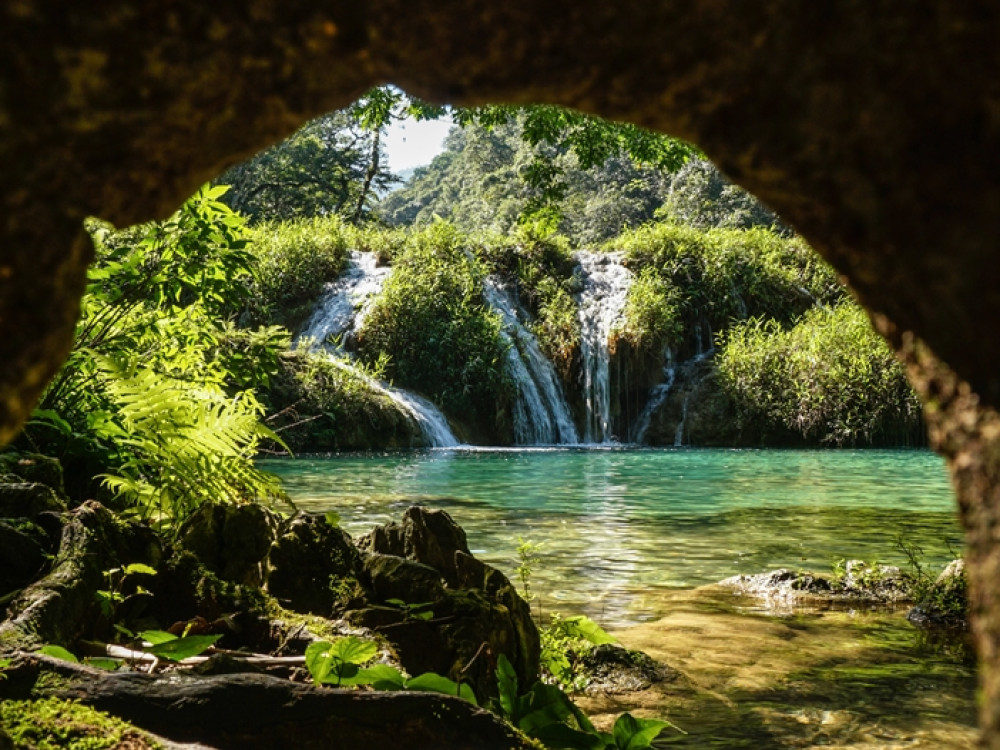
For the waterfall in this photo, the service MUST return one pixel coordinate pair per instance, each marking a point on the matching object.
(657, 396)
(541, 414)
(347, 300)
(601, 303)
(679, 434)
(340, 314)
(432, 423)
(428, 417)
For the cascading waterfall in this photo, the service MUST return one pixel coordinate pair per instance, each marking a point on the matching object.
(601, 303)
(347, 300)
(541, 414)
(657, 396)
(341, 313)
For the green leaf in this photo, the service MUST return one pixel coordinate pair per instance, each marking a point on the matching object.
(182, 648)
(545, 704)
(354, 650)
(332, 518)
(135, 568)
(507, 687)
(558, 735)
(581, 626)
(57, 652)
(631, 733)
(431, 682)
(101, 662)
(319, 660)
(378, 675)
(156, 637)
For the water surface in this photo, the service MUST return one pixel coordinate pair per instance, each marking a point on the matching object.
(617, 528)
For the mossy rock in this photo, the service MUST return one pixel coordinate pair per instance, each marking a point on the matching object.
(308, 563)
(231, 540)
(29, 499)
(34, 468)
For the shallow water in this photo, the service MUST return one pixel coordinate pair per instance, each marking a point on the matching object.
(627, 536)
(833, 679)
(619, 527)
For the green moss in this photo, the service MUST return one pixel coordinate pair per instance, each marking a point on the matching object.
(55, 723)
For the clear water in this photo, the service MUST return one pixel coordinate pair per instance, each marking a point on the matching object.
(620, 528)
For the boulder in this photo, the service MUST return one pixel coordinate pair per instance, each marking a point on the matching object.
(457, 614)
(427, 536)
(231, 540)
(611, 669)
(313, 567)
(28, 499)
(34, 468)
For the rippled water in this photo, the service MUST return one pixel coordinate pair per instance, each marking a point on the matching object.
(620, 527)
(628, 534)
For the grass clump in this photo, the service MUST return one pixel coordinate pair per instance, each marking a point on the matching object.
(293, 260)
(829, 378)
(51, 723)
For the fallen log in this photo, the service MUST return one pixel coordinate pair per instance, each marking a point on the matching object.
(259, 711)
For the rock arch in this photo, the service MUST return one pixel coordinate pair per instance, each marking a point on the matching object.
(873, 128)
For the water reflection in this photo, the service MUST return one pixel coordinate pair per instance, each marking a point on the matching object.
(618, 525)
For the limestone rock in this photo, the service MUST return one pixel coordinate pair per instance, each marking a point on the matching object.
(427, 536)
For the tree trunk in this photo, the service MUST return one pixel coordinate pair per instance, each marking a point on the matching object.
(258, 711)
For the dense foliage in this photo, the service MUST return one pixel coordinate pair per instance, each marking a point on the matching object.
(292, 260)
(153, 393)
(320, 404)
(691, 283)
(442, 340)
(830, 378)
(494, 179)
(333, 165)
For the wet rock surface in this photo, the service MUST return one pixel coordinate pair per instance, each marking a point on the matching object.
(860, 582)
(611, 669)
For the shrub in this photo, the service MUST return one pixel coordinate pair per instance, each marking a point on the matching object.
(720, 276)
(443, 340)
(292, 262)
(830, 377)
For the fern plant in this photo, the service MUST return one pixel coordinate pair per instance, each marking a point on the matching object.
(155, 399)
(186, 445)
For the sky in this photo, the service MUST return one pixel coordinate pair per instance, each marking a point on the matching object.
(409, 143)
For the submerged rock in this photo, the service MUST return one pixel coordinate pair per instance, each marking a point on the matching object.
(611, 669)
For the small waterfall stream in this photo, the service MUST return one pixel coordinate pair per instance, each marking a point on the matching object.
(347, 300)
(340, 314)
(657, 396)
(541, 414)
(601, 304)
